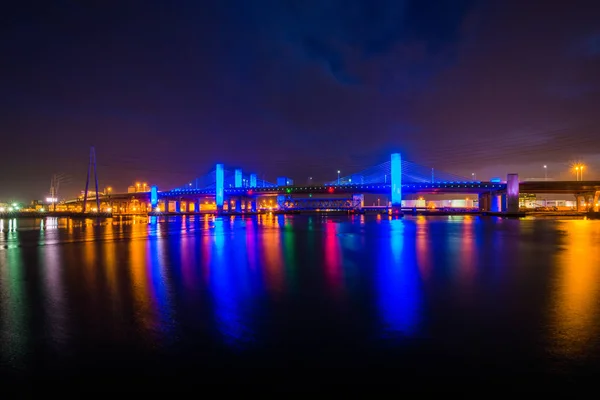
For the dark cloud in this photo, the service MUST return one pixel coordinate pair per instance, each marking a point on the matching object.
(302, 88)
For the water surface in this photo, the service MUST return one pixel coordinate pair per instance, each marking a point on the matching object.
(436, 299)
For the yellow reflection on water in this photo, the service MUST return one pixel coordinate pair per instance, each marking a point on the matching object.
(577, 298)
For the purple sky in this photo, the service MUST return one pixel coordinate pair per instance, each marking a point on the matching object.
(298, 88)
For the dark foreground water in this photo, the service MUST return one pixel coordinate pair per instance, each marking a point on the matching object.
(278, 299)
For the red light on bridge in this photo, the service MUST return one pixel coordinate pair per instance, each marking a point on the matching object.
(250, 192)
(330, 189)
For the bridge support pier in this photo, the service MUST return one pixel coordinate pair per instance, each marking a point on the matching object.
(177, 206)
(197, 206)
(253, 205)
(166, 205)
(595, 204)
(577, 202)
(238, 205)
(512, 193)
(484, 202)
(496, 203)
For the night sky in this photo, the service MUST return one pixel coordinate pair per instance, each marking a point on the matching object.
(300, 88)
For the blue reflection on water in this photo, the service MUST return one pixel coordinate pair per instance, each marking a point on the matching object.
(398, 281)
(228, 283)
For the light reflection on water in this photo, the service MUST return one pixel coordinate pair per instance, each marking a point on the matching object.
(576, 297)
(300, 286)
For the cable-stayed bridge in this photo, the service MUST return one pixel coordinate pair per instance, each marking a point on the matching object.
(236, 191)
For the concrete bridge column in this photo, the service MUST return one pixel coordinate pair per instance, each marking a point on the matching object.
(595, 204)
(496, 203)
(512, 193)
(253, 204)
(503, 202)
(177, 206)
(484, 202)
(238, 204)
(577, 202)
(591, 203)
(197, 206)
(165, 205)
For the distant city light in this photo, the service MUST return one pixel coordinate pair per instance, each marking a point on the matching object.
(51, 200)
(2, 209)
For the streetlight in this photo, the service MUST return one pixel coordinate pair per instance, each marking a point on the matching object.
(577, 173)
(581, 173)
(545, 172)
(474, 176)
(338, 176)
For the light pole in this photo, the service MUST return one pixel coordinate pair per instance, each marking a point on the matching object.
(581, 173)
(338, 176)
(474, 176)
(545, 172)
(577, 173)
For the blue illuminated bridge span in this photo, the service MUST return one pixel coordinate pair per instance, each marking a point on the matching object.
(223, 190)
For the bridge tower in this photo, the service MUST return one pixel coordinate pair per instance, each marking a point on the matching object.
(219, 187)
(92, 164)
(238, 184)
(253, 199)
(154, 197)
(396, 183)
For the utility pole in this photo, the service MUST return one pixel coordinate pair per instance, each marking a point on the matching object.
(92, 163)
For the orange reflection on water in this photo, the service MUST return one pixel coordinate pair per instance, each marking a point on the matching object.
(144, 314)
(577, 299)
(272, 258)
(423, 247)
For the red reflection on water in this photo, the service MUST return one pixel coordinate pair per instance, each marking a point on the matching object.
(333, 257)
(207, 242)
(468, 254)
(251, 243)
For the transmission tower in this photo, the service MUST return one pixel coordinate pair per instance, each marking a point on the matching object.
(91, 164)
(55, 182)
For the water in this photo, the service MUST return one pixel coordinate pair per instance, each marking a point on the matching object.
(192, 299)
